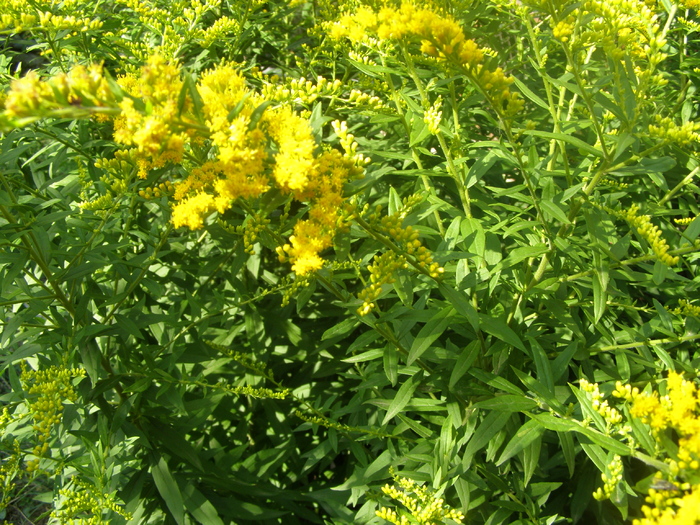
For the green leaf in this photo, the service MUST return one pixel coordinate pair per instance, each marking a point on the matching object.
(498, 328)
(507, 403)
(200, 507)
(490, 426)
(257, 114)
(169, 490)
(391, 363)
(369, 355)
(567, 448)
(530, 94)
(555, 211)
(551, 422)
(464, 362)
(403, 396)
(429, 333)
(461, 303)
(565, 138)
(600, 298)
(341, 329)
(524, 252)
(542, 365)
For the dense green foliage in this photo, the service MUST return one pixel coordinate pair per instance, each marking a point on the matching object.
(523, 243)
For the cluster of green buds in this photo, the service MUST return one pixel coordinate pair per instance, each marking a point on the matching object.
(47, 390)
(295, 285)
(381, 272)
(324, 422)
(254, 224)
(422, 505)
(84, 504)
(164, 189)
(408, 239)
(496, 84)
(18, 18)
(667, 130)
(253, 392)
(9, 469)
(685, 308)
(685, 221)
(611, 479)
(301, 90)
(607, 181)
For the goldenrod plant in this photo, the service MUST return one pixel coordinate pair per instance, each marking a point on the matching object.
(361, 261)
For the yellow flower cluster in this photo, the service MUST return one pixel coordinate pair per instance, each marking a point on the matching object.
(219, 31)
(441, 37)
(422, 505)
(50, 16)
(256, 146)
(172, 25)
(678, 410)
(650, 232)
(47, 390)
(149, 119)
(623, 27)
(323, 190)
(81, 89)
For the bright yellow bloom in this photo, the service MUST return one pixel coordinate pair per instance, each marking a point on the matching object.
(191, 211)
(152, 127)
(440, 36)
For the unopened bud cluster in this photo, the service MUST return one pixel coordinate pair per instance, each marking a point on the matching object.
(47, 390)
(611, 479)
(156, 192)
(685, 308)
(348, 143)
(611, 415)
(84, 504)
(301, 91)
(360, 99)
(251, 229)
(433, 115)
(683, 135)
(381, 272)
